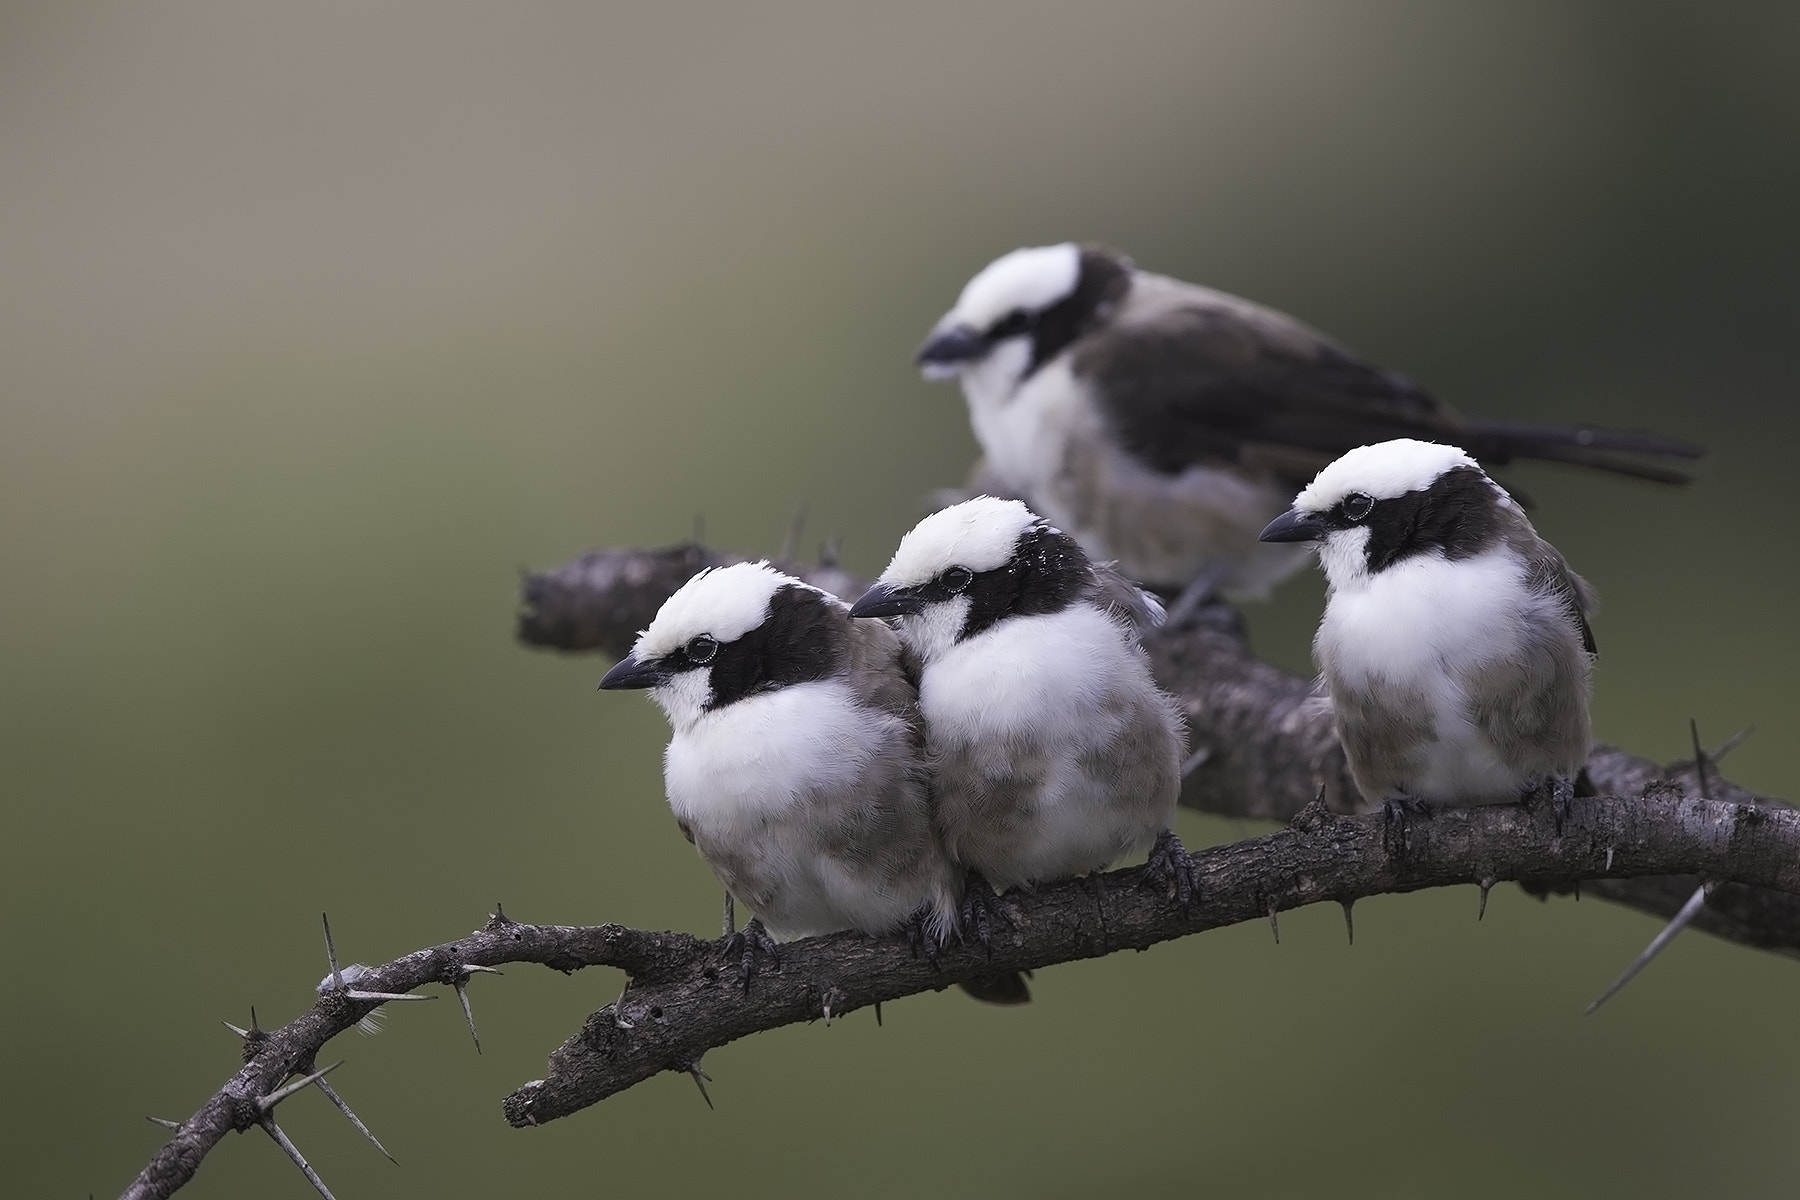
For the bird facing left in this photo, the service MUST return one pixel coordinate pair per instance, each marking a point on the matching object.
(1455, 641)
(1056, 753)
(795, 764)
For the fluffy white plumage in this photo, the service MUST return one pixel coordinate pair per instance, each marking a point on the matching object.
(726, 602)
(1055, 752)
(978, 535)
(1424, 629)
(795, 762)
(1384, 471)
(1031, 277)
(1056, 719)
(1454, 641)
(748, 782)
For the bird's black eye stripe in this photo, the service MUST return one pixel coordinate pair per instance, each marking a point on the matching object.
(1013, 324)
(1357, 505)
(956, 579)
(701, 649)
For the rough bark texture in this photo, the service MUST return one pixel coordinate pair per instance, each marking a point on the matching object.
(1644, 840)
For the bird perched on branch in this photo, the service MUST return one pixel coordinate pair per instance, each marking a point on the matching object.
(795, 762)
(1054, 752)
(1455, 641)
(1162, 424)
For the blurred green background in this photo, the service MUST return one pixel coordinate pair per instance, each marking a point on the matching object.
(317, 323)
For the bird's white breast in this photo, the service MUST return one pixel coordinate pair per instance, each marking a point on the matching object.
(1425, 614)
(1422, 628)
(1023, 427)
(752, 759)
(1037, 674)
(1056, 754)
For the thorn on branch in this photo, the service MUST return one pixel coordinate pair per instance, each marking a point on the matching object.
(350, 1115)
(790, 543)
(293, 1152)
(1700, 763)
(1486, 884)
(267, 1103)
(337, 976)
(700, 1078)
(1732, 743)
(459, 979)
(1688, 912)
(385, 997)
(1349, 920)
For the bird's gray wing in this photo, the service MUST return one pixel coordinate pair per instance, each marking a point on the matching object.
(1138, 609)
(1548, 574)
(1206, 378)
(1533, 705)
(884, 675)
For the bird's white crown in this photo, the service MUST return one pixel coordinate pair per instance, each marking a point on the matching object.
(724, 602)
(1032, 279)
(1384, 471)
(979, 535)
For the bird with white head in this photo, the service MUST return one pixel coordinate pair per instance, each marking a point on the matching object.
(1455, 643)
(1055, 753)
(795, 764)
(1162, 424)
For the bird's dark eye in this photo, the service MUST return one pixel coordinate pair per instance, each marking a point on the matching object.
(956, 579)
(701, 649)
(1013, 324)
(1357, 505)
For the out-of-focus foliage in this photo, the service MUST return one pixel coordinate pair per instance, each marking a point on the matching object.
(317, 322)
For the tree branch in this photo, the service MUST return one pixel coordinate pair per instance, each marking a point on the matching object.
(683, 999)
(1271, 754)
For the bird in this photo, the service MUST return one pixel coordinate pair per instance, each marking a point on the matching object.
(1455, 643)
(1054, 752)
(795, 762)
(1163, 424)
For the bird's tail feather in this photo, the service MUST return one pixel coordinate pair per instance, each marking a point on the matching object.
(1003, 987)
(1583, 445)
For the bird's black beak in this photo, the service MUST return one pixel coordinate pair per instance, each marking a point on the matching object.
(1294, 526)
(884, 600)
(948, 349)
(628, 672)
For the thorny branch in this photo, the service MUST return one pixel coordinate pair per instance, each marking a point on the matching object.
(1644, 840)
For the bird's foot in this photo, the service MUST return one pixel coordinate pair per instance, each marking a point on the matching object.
(747, 945)
(922, 936)
(1397, 813)
(981, 911)
(1562, 799)
(1559, 792)
(1171, 867)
